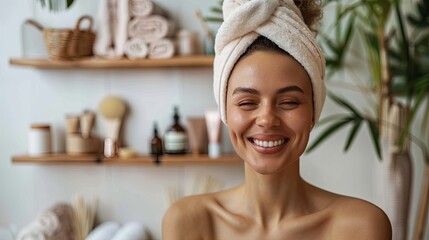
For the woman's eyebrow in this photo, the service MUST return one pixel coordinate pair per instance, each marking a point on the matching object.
(245, 90)
(293, 88)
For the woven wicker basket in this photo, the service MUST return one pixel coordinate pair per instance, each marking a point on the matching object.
(68, 44)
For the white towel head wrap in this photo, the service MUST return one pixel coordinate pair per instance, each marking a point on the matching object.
(281, 22)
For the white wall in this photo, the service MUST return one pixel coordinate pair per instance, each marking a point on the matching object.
(128, 193)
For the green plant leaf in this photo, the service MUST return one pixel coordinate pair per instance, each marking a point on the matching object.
(344, 103)
(352, 134)
(42, 3)
(329, 131)
(213, 19)
(373, 50)
(331, 118)
(425, 122)
(375, 137)
(336, 49)
(327, 2)
(350, 10)
(421, 20)
(422, 92)
(216, 10)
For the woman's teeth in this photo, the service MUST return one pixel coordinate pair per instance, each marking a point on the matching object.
(268, 144)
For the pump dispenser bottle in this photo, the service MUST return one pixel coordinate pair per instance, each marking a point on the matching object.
(176, 138)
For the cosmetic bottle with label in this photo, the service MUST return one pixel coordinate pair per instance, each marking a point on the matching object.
(176, 138)
(155, 142)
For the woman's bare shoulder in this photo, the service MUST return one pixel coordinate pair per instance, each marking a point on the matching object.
(187, 218)
(358, 219)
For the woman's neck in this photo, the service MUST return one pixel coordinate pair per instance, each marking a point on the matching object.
(277, 197)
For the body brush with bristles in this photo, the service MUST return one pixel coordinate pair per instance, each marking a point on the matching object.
(113, 110)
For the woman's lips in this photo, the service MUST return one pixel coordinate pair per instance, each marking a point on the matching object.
(268, 144)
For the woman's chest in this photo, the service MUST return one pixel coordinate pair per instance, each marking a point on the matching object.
(313, 227)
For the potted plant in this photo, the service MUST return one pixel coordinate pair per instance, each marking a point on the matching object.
(56, 5)
(396, 49)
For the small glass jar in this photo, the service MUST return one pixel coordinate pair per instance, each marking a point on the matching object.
(187, 43)
(39, 139)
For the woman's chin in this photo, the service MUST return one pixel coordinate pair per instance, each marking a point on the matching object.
(267, 166)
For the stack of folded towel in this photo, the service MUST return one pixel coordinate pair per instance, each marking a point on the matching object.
(135, 28)
(55, 223)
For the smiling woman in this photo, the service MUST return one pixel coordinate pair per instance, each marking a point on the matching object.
(269, 86)
(269, 110)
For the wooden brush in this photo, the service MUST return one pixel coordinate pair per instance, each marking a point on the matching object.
(113, 110)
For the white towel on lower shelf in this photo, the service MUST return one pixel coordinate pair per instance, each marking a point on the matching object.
(104, 231)
(161, 49)
(131, 231)
(136, 48)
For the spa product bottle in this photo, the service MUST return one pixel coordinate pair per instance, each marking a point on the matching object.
(156, 142)
(176, 138)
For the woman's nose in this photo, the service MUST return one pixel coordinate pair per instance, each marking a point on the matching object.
(267, 117)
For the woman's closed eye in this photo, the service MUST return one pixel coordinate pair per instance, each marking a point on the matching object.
(247, 104)
(289, 104)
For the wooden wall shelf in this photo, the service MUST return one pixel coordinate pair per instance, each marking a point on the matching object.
(101, 63)
(141, 160)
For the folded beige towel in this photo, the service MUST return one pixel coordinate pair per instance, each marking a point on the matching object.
(151, 28)
(161, 49)
(281, 22)
(136, 48)
(65, 215)
(49, 223)
(144, 8)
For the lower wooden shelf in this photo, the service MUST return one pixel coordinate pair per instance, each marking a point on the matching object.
(61, 158)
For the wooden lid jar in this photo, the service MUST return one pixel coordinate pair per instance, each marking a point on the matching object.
(39, 139)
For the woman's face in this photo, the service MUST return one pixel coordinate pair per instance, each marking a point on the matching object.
(269, 110)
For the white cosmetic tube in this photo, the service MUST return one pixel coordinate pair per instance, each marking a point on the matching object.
(214, 127)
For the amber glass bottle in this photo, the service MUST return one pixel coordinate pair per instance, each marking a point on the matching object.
(176, 138)
(156, 142)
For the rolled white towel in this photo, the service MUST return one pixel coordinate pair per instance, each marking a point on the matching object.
(151, 28)
(144, 8)
(121, 33)
(30, 232)
(136, 48)
(104, 231)
(161, 49)
(103, 41)
(131, 231)
(48, 223)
